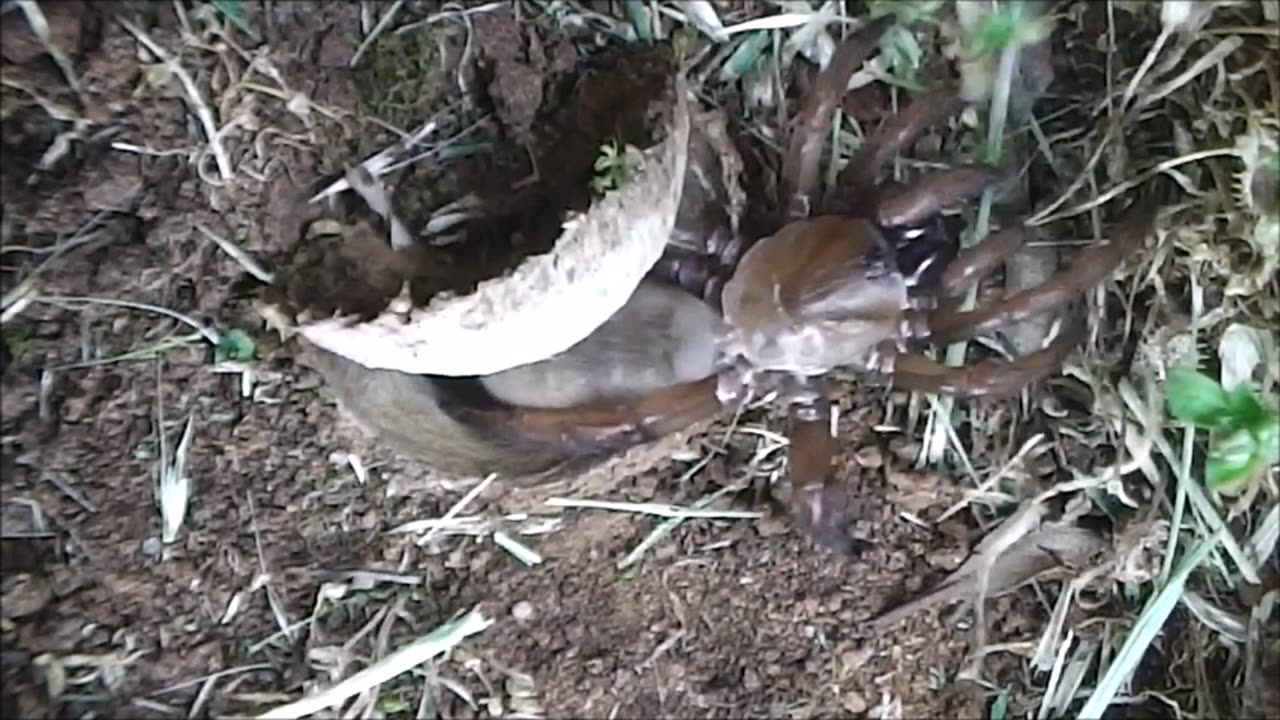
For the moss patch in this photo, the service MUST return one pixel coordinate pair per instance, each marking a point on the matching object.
(399, 78)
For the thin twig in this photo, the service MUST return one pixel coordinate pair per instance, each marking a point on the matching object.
(252, 266)
(383, 22)
(1043, 218)
(203, 113)
(209, 333)
(40, 26)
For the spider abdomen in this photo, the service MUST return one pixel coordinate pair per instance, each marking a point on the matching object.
(662, 336)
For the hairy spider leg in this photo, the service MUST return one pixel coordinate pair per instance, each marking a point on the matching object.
(913, 371)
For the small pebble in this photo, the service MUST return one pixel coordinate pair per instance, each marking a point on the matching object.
(904, 449)
(948, 558)
(522, 611)
(152, 547)
(26, 594)
(869, 457)
(773, 525)
(854, 702)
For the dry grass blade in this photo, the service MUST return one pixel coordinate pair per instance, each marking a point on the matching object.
(467, 525)
(439, 642)
(1012, 555)
(375, 195)
(452, 513)
(77, 301)
(658, 509)
(173, 482)
(383, 22)
(518, 550)
(782, 21)
(988, 486)
(702, 15)
(24, 292)
(18, 299)
(1257, 653)
(666, 527)
(1145, 629)
(201, 108)
(381, 162)
(1226, 624)
(173, 492)
(1263, 543)
(1071, 680)
(246, 261)
(40, 26)
(1055, 676)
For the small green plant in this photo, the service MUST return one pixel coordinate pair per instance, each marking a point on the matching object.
(234, 345)
(1017, 23)
(899, 44)
(905, 55)
(907, 11)
(610, 167)
(1244, 434)
(640, 19)
(1000, 706)
(392, 704)
(18, 345)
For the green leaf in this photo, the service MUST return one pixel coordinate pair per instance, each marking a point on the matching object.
(1244, 407)
(1270, 162)
(17, 345)
(993, 34)
(991, 152)
(1267, 433)
(1014, 23)
(907, 11)
(234, 345)
(638, 14)
(999, 706)
(900, 46)
(391, 704)
(745, 56)
(608, 159)
(1110, 505)
(230, 8)
(1232, 461)
(235, 13)
(683, 41)
(610, 167)
(1196, 398)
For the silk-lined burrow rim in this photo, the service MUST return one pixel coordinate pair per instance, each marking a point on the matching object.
(549, 301)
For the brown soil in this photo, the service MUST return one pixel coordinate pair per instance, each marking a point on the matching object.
(721, 619)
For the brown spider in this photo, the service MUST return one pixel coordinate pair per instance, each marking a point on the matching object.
(853, 289)
(850, 280)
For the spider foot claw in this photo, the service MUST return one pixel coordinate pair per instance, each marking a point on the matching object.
(821, 512)
(732, 383)
(922, 302)
(914, 325)
(799, 207)
(882, 358)
(801, 392)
